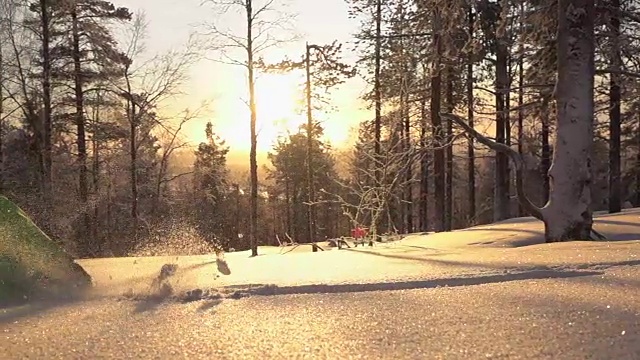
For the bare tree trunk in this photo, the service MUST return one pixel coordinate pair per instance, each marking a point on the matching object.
(471, 168)
(521, 96)
(288, 203)
(96, 168)
(424, 169)
(501, 186)
(448, 217)
(436, 122)
(638, 162)
(133, 157)
(253, 161)
(2, 69)
(507, 133)
(107, 227)
(236, 224)
(567, 215)
(81, 141)
(311, 225)
(377, 91)
(46, 99)
(545, 162)
(615, 187)
(409, 175)
(378, 109)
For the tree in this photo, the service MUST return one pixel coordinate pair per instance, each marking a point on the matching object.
(615, 188)
(567, 215)
(259, 35)
(324, 70)
(436, 124)
(43, 9)
(94, 57)
(144, 86)
(211, 184)
(288, 171)
(471, 167)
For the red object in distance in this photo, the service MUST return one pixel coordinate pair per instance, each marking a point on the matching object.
(358, 232)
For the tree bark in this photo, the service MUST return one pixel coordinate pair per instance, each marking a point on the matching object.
(501, 186)
(96, 168)
(81, 141)
(311, 226)
(133, 154)
(436, 122)
(545, 162)
(567, 214)
(615, 187)
(638, 161)
(521, 95)
(507, 133)
(46, 100)
(253, 161)
(133, 166)
(471, 168)
(409, 174)
(424, 169)
(377, 91)
(448, 217)
(2, 69)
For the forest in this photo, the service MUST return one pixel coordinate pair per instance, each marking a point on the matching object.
(87, 151)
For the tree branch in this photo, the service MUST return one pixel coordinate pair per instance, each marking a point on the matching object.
(513, 155)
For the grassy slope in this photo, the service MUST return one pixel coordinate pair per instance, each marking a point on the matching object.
(31, 264)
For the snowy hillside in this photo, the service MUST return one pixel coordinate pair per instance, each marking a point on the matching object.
(509, 250)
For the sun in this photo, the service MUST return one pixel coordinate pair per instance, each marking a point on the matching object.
(277, 98)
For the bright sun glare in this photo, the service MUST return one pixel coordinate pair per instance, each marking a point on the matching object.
(277, 98)
(277, 101)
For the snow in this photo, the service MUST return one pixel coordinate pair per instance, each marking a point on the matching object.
(494, 290)
(509, 250)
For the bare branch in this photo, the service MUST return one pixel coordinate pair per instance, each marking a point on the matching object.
(513, 155)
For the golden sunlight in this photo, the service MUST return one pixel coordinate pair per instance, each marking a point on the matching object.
(277, 99)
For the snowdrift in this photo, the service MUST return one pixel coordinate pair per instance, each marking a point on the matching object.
(31, 264)
(509, 250)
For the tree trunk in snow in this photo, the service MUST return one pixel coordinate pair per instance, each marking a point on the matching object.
(377, 92)
(615, 188)
(507, 133)
(501, 186)
(545, 162)
(436, 122)
(253, 160)
(471, 171)
(567, 215)
(424, 170)
(449, 165)
(521, 98)
(409, 175)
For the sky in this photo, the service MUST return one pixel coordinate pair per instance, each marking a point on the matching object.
(170, 22)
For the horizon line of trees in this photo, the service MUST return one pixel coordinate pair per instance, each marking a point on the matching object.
(78, 107)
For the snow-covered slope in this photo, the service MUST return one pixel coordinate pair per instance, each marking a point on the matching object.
(508, 250)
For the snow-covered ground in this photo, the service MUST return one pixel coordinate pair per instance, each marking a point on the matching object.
(509, 250)
(494, 291)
